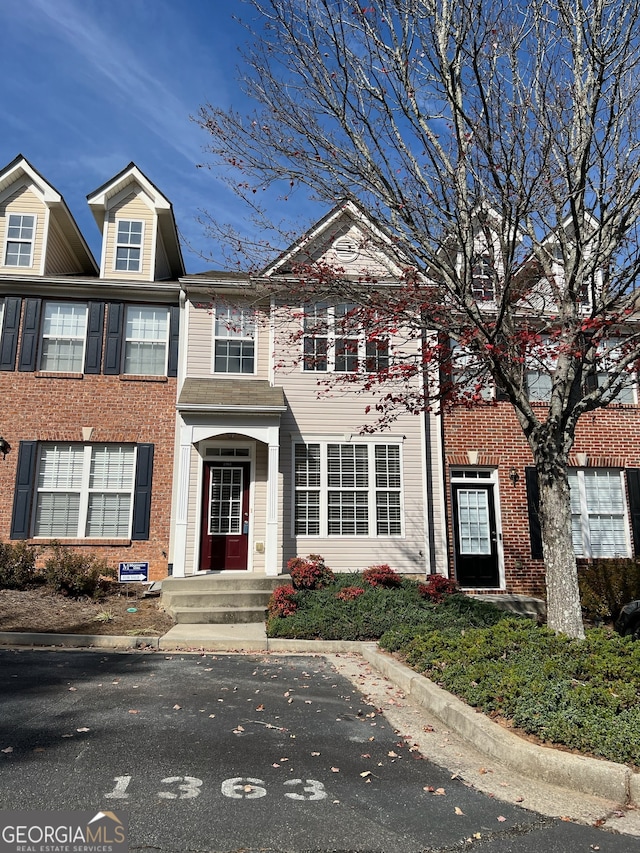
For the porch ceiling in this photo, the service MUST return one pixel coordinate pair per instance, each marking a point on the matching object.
(231, 395)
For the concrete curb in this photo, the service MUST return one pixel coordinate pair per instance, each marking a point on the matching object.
(77, 641)
(592, 776)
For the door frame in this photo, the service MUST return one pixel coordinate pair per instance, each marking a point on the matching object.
(461, 475)
(207, 457)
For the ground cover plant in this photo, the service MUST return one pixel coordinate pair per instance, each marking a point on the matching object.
(363, 605)
(581, 694)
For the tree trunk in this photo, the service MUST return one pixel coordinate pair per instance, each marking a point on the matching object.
(564, 612)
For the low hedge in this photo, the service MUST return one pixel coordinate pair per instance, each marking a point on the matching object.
(337, 613)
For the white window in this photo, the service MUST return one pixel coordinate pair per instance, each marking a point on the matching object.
(541, 364)
(64, 330)
(470, 379)
(21, 229)
(347, 489)
(129, 245)
(234, 344)
(609, 354)
(598, 513)
(85, 491)
(483, 277)
(334, 341)
(146, 343)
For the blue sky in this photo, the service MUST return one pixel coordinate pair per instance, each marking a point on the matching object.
(89, 85)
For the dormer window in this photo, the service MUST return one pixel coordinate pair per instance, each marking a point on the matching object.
(483, 278)
(20, 233)
(129, 245)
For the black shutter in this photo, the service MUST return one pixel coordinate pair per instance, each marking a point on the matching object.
(95, 324)
(10, 327)
(590, 382)
(174, 329)
(112, 356)
(533, 503)
(633, 492)
(142, 493)
(30, 335)
(23, 493)
(501, 395)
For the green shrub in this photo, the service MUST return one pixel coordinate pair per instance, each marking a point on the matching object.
(607, 585)
(76, 574)
(18, 565)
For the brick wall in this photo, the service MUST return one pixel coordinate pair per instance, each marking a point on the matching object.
(610, 438)
(119, 409)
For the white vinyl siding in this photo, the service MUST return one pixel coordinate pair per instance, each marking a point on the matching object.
(347, 489)
(21, 229)
(64, 330)
(598, 513)
(84, 491)
(146, 340)
(234, 340)
(129, 245)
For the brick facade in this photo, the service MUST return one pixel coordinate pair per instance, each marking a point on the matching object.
(91, 450)
(118, 409)
(609, 438)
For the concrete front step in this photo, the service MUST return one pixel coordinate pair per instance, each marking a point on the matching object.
(216, 581)
(231, 598)
(215, 598)
(218, 615)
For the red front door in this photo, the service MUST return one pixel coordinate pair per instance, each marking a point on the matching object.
(225, 516)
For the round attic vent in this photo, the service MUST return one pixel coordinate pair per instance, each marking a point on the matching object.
(346, 249)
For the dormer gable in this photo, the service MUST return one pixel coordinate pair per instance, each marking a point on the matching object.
(38, 234)
(346, 239)
(139, 234)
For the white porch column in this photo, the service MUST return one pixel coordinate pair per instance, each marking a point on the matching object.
(271, 561)
(182, 502)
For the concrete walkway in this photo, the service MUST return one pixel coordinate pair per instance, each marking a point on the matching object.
(593, 777)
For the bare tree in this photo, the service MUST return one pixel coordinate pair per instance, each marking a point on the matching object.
(499, 143)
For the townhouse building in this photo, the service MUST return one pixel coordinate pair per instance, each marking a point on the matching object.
(272, 463)
(198, 422)
(88, 367)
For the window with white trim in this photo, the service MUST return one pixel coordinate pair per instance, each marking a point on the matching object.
(64, 332)
(84, 491)
(609, 354)
(347, 489)
(598, 513)
(470, 379)
(21, 229)
(234, 340)
(146, 341)
(483, 276)
(541, 364)
(129, 245)
(334, 342)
